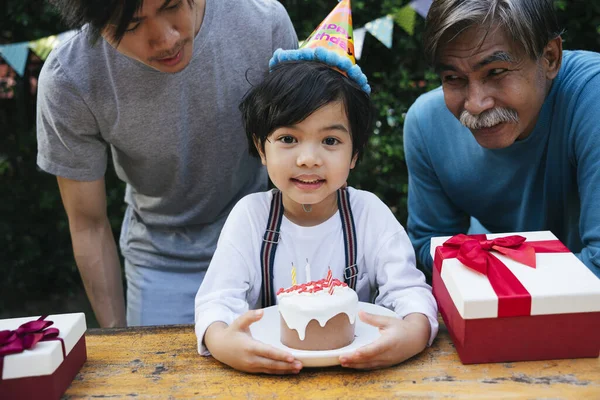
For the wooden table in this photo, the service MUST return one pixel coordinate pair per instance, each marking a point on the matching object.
(162, 362)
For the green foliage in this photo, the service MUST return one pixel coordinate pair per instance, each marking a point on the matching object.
(23, 20)
(35, 247)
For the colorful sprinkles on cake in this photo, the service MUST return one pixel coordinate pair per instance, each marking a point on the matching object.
(313, 286)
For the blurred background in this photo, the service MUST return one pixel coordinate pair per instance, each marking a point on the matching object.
(39, 275)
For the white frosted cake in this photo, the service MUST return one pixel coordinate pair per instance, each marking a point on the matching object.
(313, 317)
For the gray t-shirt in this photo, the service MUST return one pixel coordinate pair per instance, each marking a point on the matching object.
(176, 139)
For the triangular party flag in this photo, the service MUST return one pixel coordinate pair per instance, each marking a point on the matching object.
(421, 6)
(405, 18)
(15, 55)
(63, 37)
(383, 29)
(359, 40)
(43, 46)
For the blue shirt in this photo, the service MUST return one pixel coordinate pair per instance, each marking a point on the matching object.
(548, 181)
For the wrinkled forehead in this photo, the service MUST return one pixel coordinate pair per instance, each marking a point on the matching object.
(478, 43)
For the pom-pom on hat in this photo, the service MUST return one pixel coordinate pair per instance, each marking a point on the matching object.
(330, 43)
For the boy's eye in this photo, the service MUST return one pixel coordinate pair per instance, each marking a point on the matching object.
(287, 139)
(330, 141)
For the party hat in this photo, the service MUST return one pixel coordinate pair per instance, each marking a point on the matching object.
(331, 43)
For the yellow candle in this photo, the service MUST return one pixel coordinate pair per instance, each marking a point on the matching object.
(293, 275)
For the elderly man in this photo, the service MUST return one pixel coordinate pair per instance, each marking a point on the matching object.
(511, 140)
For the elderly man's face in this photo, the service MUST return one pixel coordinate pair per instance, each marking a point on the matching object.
(493, 87)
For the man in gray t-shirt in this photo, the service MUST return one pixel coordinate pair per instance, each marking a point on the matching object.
(159, 87)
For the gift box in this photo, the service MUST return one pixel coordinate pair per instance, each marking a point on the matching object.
(515, 297)
(40, 356)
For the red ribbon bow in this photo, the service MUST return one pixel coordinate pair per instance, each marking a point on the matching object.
(475, 252)
(26, 337)
(476, 255)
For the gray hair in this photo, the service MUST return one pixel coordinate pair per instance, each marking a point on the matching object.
(531, 23)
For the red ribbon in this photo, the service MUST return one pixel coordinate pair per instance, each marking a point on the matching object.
(475, 252)
(26, 337)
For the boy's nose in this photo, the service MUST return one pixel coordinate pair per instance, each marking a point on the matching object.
(308, 157)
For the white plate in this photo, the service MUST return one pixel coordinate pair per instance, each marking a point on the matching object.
(267, 331)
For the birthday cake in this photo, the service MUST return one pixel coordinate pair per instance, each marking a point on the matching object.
(317, 315)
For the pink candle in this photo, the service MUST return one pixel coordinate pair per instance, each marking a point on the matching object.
(330, 281)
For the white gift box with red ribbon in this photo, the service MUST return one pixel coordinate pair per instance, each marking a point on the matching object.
(40, 356)
(509, 299)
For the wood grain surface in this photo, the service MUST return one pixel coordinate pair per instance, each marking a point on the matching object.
(163, 363)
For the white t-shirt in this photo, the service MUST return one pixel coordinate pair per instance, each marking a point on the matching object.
(387, 275)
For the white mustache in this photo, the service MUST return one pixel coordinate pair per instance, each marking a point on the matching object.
(489, 118)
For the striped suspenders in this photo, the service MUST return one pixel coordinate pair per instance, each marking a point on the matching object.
(271, 238)
(267, 251)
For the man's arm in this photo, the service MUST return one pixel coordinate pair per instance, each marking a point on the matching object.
(94, 248)
(430, 211)
(587, 157)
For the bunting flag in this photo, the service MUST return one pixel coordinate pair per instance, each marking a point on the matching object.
(382, 28)
(359, 38)
(421, 6)
(15, 55)
(405, 18)
(43, 46)
(63, 37)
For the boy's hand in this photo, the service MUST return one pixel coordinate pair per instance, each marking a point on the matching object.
(400, 339)
(233, 345)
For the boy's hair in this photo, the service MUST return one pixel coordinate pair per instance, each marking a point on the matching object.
(99, 14)
(292, 91)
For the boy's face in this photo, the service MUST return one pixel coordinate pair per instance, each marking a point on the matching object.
(311, 160)
(161, 35)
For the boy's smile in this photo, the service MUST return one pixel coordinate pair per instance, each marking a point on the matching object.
(308, 181)
(310, 161)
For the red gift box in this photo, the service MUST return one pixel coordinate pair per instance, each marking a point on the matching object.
(40, 356)
(515, 297)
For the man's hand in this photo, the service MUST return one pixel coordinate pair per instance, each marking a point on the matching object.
(400, 339)
(233, 345)
(95, 248)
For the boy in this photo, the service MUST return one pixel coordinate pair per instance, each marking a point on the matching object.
(309, 121)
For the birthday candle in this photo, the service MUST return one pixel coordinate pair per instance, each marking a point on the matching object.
(330, 280)
(293, 275)
(307, 268)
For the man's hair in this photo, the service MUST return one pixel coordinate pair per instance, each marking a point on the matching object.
(292, 91)
(98, 14)
(528, 23)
